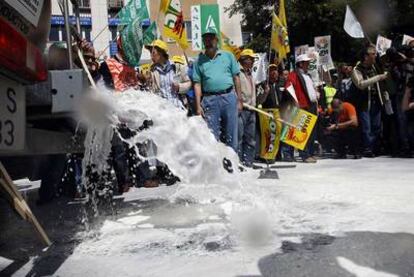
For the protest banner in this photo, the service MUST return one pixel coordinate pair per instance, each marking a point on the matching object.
(302, 49)
(313, 65)
(323, 47)
(298, 136)
(174, 26)
(259, 70)
(132, 41)
(134, 9)
(204, 17)
(270, 131)
(383, 44)
(407, 39)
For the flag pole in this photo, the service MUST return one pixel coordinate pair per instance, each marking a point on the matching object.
(252, 108)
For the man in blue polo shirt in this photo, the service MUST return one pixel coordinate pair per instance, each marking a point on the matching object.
(216, 79)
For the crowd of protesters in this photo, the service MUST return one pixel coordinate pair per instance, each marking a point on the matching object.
(364, 110)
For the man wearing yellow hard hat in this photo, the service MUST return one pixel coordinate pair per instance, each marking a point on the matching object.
(164, 78)
(247, 118)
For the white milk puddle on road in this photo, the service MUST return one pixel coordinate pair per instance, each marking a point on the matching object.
(210, 209)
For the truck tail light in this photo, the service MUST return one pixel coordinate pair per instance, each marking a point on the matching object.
(19, 55)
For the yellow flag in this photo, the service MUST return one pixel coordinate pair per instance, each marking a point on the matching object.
(227, 45)
(270, 131)
(174, 26)
(282, 13)
(280, 39)
(164, 5)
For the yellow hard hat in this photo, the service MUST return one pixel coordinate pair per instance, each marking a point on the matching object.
(248, 53)
(159, 44)
(178, 59)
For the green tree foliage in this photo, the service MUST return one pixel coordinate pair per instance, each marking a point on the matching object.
(310, 18)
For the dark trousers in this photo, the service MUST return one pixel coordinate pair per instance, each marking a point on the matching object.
(343, 139)
(370, 122)
(247, 136)
(310, 146)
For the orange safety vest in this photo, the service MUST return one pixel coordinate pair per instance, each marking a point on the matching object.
(123, 76)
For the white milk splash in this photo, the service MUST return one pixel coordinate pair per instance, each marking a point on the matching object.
(189, 149)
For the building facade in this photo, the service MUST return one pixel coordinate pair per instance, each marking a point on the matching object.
(99, 23)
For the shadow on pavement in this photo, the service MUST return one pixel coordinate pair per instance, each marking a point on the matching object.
(318, 255)
(62, 222)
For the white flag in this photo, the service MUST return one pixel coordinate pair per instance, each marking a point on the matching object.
(351, 24)
(259, 70)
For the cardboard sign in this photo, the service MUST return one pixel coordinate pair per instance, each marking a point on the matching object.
(204, 17)
(323, 47)
(302, 49)
(383, 44)
(313, 65)
(407, 39)
(270, 131)
(259, 70)
(298, 137)
(29, 9)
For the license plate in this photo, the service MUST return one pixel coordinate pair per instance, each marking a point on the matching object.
(12, 115)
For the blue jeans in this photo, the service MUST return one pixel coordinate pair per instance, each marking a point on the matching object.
(247, 136)
(371, 125)
(221, 115)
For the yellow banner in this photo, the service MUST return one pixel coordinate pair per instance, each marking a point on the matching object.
(282, 13)
(174, 26)
(299, 136)
(270, 131)
(279, 39)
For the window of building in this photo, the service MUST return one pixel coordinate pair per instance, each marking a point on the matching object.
(188, 29)
(84, 3)
(114, 32)
(86, 32)
(57, 33)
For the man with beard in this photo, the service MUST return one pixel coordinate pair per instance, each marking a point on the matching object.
(216, 79)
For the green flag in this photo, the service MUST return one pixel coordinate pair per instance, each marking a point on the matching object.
(134, 9)
(132, 42)
(150, 34)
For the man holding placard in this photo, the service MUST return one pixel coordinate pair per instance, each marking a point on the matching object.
(300, 86)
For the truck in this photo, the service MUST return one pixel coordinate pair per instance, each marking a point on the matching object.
(37, 123)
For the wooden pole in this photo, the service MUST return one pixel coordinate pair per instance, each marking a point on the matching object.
(252, 108)
(20, 205)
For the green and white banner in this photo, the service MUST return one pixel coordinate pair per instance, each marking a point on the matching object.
(204, 17)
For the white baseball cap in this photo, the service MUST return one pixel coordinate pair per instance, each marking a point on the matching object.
(303, 58)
